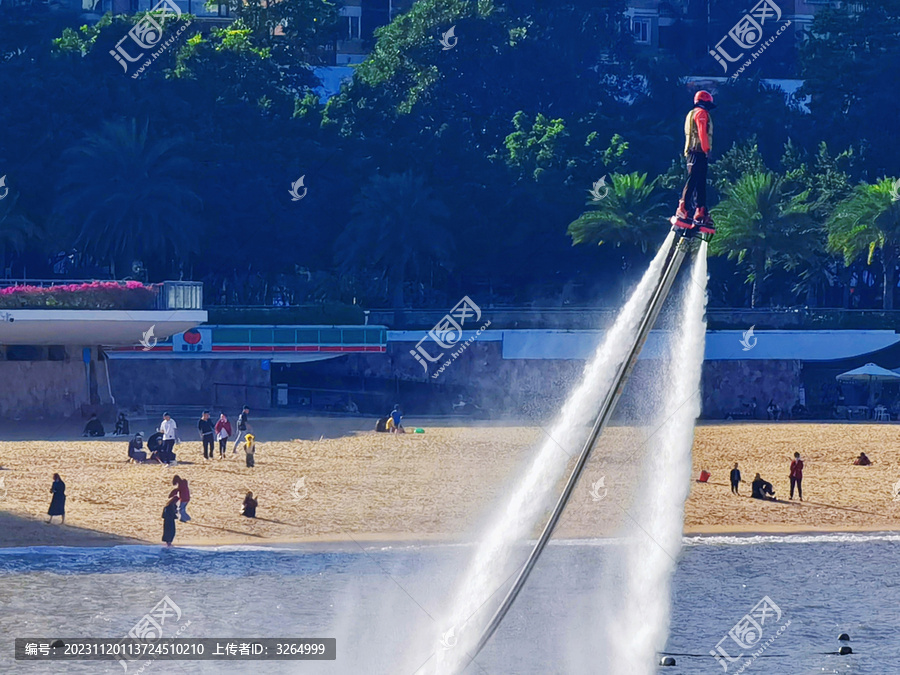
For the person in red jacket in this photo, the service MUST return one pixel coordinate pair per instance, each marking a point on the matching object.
(698, 132)
(797, 476)
(223, 433)
(183, 493)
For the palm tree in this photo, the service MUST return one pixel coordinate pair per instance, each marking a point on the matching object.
(759, 221)
(633, 212)
(398, 230)
(866, 222)
(15, 229)
(130, 195)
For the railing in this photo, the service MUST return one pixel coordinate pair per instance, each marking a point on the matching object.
(180, 295)
(718, 318)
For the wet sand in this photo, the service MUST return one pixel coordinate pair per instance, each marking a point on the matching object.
(363, 486)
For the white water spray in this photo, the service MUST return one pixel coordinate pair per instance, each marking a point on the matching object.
(632, 610)
(489, 571)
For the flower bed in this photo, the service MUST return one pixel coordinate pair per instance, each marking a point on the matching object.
(93, 295)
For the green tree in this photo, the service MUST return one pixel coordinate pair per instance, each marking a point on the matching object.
(398, 230)
(632, 213)
(756, 223)
(132, 197)
(868, 221)
(846, 65)
(16, 230)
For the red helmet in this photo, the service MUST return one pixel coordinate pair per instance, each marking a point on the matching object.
(704, 96)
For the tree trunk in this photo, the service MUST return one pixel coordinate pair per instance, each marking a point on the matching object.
(398, 302)
(890, 280)
(759, 270)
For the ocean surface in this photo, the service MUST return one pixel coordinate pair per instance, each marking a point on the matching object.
(379, 602)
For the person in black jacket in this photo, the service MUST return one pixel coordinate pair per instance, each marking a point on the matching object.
(58, 501)
(243, 428)
(94, 427)
(169, 514)
(735, 479)
(136, 449)
(762, 489)
(248, 509)
(207, 435)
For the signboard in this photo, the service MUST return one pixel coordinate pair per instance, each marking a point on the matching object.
(193, 340)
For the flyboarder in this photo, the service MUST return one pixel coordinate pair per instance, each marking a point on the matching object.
(698, 131)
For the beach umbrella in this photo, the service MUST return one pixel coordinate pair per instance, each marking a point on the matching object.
(869, 374)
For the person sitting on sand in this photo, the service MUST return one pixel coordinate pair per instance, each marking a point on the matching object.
(168, 515)
(122, 426)
(94, 428)
(762, 489)
(248, 509)
(136, 449)
(735, 479)
(394, 418)
(862, 460)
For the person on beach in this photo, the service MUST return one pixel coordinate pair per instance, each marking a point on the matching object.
(248, 509)
(223, 433)
(244, 428)
(394, 425)
(250, 450)
(58, 501)
(183, 493)
(122, 425)
(762, 489)
(207, 435)
(94, 427)
(169, 430)
(735, 479)
(168, 515)
(796, 476)
(136, 448)
(862, 460)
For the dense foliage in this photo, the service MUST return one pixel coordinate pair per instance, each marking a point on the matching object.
(440, 172)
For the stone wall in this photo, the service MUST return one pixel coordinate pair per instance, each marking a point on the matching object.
(539, 387)
(225, 383)
(533, 388)
(42, 389)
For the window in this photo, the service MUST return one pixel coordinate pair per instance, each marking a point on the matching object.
(353, 15)
(640, 28)
(353, 28)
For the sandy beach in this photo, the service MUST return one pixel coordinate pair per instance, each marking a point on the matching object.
(365, 486)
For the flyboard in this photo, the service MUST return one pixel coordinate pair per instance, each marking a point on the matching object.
(680, 242)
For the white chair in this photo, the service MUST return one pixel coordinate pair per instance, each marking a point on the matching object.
(881, 414)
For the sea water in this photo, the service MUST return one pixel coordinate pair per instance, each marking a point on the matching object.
(823, 584)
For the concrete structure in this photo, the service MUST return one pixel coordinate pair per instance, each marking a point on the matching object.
(52, 361)
(511, 371)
